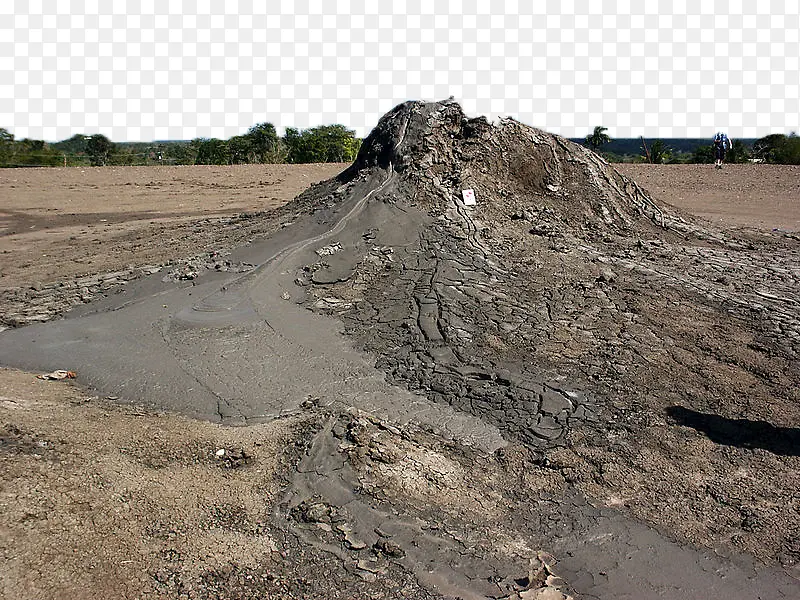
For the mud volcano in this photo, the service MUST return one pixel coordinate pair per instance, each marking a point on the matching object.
(563, 365)
(426, 282)
(570, 311)
(526, 307)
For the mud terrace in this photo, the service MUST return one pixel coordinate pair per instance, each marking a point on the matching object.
(569, 389)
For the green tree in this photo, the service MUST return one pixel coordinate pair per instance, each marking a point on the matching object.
(35, 153)
(31, 146)
(293, 140)
(6, 146)
(598, 138)
(703, 154)
(74, 145)
(768, 148)
(613, 157)
(681, 158)
(788, 153)
(126, 156)
(264, 143)
(738, 153)
(211, 151)
(99, 148)
(180, 153)
(660, 153)
(327, 143)
(240, 150)
(353, 147)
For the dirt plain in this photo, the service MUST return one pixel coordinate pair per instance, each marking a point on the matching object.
(765, 197)
(108, 500)
(57, 224)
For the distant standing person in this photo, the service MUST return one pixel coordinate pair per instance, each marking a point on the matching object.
(721, 145)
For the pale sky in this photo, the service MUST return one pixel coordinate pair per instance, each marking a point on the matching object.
(177, 69)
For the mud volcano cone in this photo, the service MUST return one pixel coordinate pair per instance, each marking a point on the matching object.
(438, 152)
(459, 302)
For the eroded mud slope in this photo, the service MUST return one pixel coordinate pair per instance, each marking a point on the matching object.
(650, 358)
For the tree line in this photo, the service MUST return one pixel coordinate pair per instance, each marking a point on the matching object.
(775, 148)
(261, 144)
(329, 143)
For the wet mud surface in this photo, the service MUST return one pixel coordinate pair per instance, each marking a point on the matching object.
(569, 368)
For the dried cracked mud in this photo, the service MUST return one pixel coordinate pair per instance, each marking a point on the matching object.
(569, 388)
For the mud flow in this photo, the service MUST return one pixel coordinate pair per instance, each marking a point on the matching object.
(563, 389)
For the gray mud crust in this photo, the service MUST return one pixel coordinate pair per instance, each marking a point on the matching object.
(565, 389)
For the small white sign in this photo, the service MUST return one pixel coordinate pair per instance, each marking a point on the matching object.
(469, 197)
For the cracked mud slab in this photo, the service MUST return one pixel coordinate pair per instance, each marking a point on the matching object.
(569, 367)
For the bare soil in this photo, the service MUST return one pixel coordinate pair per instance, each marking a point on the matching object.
(102, 499)
(766, 197)
(58, 224)
(97, 498)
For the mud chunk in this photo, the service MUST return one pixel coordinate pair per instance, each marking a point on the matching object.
(547, 428)
(332, 303)
(553, 403)
(233, 458)
(359, 432)
(388, 548)
(350, 539)
(310, 511)
(383, 453)
(522, 215)
(371, 566)
(547, 593)
(542, 583)
(329, 249)
(541, 229)
(606, 276)
(13, 440)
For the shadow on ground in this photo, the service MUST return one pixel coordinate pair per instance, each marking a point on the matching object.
(743, 433)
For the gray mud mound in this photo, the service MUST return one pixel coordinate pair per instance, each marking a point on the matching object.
(527, 307)
(612, 336)
(423, 281)
(562, 368)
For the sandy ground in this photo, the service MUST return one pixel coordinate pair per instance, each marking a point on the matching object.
(56, 224)
(762, 196)
(96, 497)
(106, 500)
